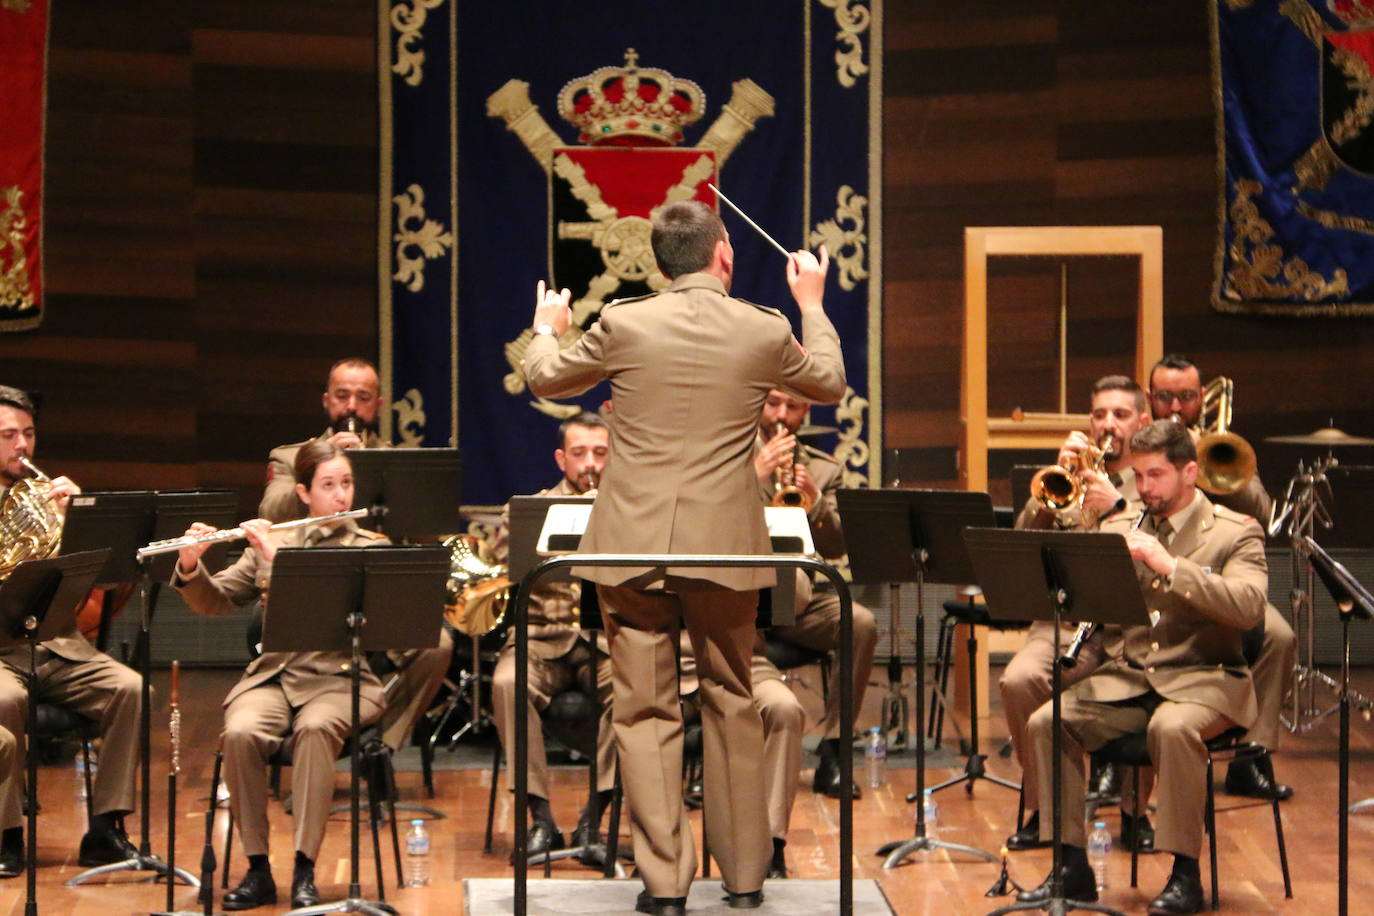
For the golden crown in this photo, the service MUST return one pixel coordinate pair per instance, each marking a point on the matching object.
(629, 106)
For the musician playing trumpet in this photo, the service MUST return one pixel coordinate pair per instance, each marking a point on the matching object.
(298, 696)
(1119, 410)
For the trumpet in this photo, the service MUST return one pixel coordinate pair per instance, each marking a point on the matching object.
(593, 478)
(785, 489)
(1088, 630)
(1225, 461)
(171, 545)
(1058, 487)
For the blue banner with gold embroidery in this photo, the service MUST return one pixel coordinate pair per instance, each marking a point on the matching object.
(568, 132)
(1295, 110)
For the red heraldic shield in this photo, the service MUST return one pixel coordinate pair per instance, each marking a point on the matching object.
(601, 202)
(23, 48)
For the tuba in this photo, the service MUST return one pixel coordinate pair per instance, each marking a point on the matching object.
(1225, 461)
(785, 489)
(478, 591)
(30, 524)
(1057, 487)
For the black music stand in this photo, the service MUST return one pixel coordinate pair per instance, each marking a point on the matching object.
(414, 492)
(527, 515)
(38, 601)
(322, 599)
(1352, 600)
(897, 536)
(125, 522)
(1043, 575)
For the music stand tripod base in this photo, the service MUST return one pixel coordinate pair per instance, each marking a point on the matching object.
(141, 862)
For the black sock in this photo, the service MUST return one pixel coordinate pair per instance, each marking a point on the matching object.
(259, 863)
(779, 844)
(1187, 867)
(304, 862)
(103, 823)
(1075, 856)
(12, 838)
(540, 812)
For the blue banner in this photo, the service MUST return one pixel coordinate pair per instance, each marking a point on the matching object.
(1295, 110)
(564, 138)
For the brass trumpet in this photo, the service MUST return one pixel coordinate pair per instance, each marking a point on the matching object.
(171, 545)
(1058, 487)
(785, 489)
(1225, 461)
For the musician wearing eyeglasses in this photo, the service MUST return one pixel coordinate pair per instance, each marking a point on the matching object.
(1180, 678)
(782, 460)
(351, 405)
(1119, 410)
(1176, 390)
(71, 673)
(560, 654)
(301, 697)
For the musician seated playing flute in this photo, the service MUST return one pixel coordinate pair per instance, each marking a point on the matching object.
(300, 696)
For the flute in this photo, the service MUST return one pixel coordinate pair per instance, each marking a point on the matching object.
(1088, 630)
(172, 545)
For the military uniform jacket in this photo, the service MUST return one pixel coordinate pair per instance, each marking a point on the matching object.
(1193, 651)
(303, 675)
(554, 609)
(690, 369)
(824, 516)
(279, 501)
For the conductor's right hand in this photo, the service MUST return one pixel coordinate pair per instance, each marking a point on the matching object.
(806, 278)
(189, 557)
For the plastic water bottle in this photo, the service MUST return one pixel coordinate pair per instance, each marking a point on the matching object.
(875, 757)
(931, 809)
(80, 770)
(417, 854)
(1099, 847)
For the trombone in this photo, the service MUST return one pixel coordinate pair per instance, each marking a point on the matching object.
(171, 545)
(1225, 461)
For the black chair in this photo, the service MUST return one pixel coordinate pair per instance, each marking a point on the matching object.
(956, 613)
(55, 726)
(788, 657)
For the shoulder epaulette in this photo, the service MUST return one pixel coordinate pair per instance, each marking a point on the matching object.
(629, 299)
(763, 308)
(1231, 515)
(812, 452)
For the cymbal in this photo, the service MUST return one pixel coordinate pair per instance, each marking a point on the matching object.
(1330, 436)
(810, 431)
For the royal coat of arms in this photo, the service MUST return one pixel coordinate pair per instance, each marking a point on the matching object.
(604, 192)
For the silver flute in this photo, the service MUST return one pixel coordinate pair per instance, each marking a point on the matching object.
(171, 545)
(1088, 630)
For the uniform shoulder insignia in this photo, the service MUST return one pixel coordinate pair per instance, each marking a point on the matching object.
(629, 299)
(1231, 515)
(812, 452)
(763, 308)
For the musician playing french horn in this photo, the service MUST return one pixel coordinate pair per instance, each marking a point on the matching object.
(1119, 410)
(70, 672)
(1176, 390)
(298, 696)
(560, 654)
(816, 476)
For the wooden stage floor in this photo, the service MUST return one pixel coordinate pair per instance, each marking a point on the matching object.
(936, 884)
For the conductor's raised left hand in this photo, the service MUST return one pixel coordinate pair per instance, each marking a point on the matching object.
(552, 308)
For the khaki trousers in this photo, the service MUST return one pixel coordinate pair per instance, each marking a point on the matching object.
(102, 690)
(420, 675)
(256, 724)
(783, 722)
(1174, 733)
(1272, 673)
(818, 628)
(547, 679)
(642, 627)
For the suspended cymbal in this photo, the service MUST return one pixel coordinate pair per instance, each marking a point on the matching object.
(1331, 436)
(810, 431)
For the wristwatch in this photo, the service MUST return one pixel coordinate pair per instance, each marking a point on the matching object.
(546, 329)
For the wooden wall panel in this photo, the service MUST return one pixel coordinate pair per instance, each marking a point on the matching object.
(1073, 112)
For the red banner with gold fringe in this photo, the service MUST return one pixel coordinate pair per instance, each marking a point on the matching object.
(24, 51)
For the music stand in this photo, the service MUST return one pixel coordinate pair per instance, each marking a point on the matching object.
(1352, 600)
(322, 601)
(897, 536)
(127, 521)
(415, 492)
(38, 601)
(1043, 575)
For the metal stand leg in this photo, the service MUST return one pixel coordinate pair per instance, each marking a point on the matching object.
(974, 767)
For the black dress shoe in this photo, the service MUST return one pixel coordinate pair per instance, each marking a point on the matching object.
(777, 866)
(1078, 884)
(1254, 778)
(1106, 782)
(256, 889)
(540, 839)
(105, 847)
(750, 901)
(1143, 831)
(11, 863)
(828, 779)
(303, 892)
(1028, 837)
(1181, 896)
(585, 834)
(660, 906)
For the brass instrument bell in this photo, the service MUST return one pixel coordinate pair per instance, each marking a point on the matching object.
(1225, 461)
